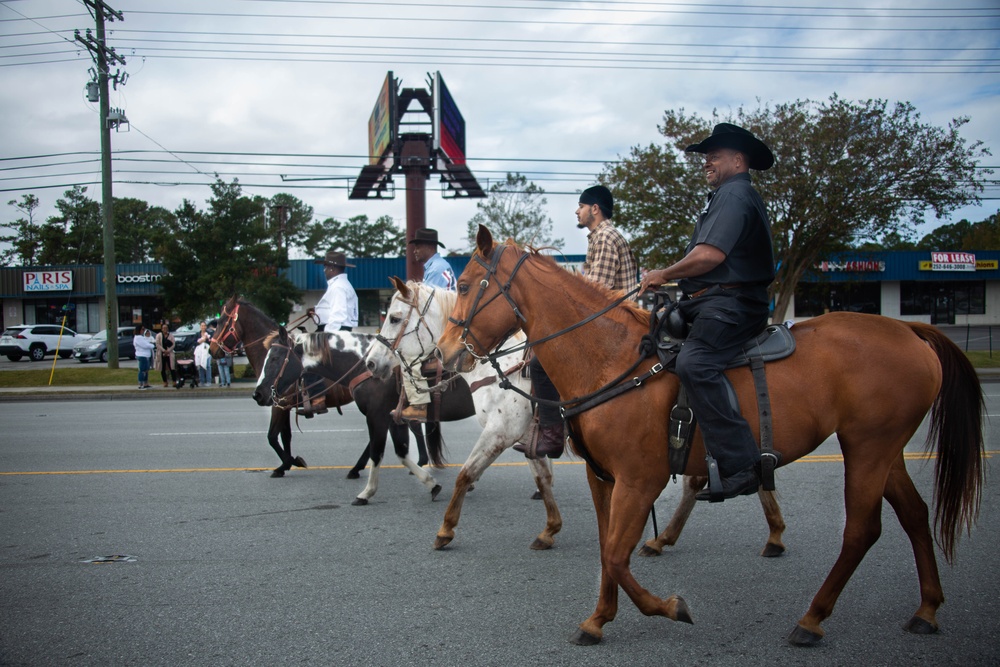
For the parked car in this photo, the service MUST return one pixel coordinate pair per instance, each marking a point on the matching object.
(38, 340)
(95, 348)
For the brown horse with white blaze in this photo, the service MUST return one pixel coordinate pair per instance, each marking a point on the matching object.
(868, 379)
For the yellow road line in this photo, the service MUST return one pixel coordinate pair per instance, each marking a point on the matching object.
(812, 458)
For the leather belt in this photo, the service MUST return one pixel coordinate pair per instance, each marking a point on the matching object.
(705, 289)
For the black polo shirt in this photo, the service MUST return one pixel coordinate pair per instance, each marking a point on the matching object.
(735, 221)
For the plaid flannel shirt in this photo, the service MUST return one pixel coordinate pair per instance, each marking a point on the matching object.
(610, 261)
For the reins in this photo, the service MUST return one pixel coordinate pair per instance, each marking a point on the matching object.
(568, 408)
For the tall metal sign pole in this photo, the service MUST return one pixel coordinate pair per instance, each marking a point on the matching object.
(102, 55)
(417, 155)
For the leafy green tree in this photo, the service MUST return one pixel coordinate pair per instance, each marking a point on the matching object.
(137, 227)
(845, 172)
(515, 209)
(76, 235)
(228, 249)
(289, 219)
(25, 237)
(356, 237)
(984, 235)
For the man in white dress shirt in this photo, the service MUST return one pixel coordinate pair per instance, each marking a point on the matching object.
(337, 310)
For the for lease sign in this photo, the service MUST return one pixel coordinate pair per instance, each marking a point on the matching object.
(953, 261)
(48, 281)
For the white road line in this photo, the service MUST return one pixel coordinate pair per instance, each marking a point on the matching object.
(258, 432)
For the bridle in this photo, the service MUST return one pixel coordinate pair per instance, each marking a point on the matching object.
(281, 371)
(502, 290)
(414, 307)
(229, 330)
(227, 324)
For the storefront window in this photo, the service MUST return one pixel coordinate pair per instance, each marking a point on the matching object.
(927, 298)
(813, 299)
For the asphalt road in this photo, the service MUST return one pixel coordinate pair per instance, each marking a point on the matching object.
(231, 567)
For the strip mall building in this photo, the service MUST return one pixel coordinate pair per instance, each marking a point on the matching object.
(961, 288)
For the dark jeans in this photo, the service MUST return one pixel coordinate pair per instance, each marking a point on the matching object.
(721, 323)
(542, 387)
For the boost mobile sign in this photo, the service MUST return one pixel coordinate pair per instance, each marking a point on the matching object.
(48, 281)
(138, 278)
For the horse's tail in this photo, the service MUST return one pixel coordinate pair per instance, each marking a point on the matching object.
(957, 427)
(435, 444)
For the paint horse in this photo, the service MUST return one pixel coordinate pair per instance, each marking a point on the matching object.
(339, 357)
(243, 323)
(413, 322)
(869, 379)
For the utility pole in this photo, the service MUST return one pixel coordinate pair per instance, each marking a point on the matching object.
(102, 56)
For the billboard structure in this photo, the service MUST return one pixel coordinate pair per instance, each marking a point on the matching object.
(383, 130)
(416, 153)
(383, 123)
(449, 126)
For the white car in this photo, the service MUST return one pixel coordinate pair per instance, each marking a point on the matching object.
(38, 340)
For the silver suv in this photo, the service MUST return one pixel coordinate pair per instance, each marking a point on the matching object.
(38, 340)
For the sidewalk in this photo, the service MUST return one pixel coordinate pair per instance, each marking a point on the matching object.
(239, 389)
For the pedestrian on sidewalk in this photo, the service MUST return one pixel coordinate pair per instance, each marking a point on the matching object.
(144, 347)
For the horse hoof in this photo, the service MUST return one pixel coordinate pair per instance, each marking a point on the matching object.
(919, 626)
(541, 545)
(647, 551)
(802, 637)
(440, 542)
(772, 550)
(300, 462)
(360, 501)
(537, 495)
(353, 474)
(683, 612)
(584, 638)
(277, 472)
(435, 491)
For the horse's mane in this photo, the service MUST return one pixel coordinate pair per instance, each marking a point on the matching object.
(599, 292)
(446, 297)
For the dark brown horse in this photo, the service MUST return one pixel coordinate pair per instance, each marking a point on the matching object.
(243, 323)
(868, 379)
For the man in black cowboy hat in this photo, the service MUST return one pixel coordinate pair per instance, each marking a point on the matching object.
(724, 275)
(337, 310)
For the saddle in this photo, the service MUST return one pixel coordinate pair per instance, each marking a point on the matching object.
(668, 330)
(451, 397)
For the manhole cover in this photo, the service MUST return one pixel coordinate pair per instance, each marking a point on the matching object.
(116, 558)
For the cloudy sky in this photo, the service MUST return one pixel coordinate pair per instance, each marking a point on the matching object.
(262, 90)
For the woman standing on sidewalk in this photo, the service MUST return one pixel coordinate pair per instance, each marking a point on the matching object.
(144, 347)
(164, 360)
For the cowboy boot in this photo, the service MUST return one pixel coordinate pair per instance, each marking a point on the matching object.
(316, 405)
(548, 441)
(417, 413)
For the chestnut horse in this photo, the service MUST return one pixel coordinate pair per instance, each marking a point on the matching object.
(414, 320)
(867, 378)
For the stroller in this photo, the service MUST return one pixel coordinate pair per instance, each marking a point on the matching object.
(187, 373)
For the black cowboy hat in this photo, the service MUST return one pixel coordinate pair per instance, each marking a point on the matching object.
(426, 235)
(727, 135)
(334, 258)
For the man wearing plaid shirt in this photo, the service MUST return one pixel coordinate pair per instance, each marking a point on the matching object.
(610, 263)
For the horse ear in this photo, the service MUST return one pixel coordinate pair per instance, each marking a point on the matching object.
(400, 286)
(484, 241)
